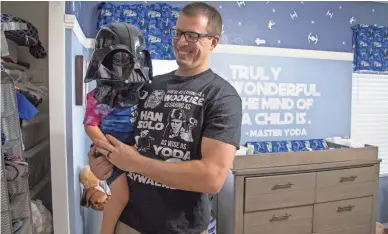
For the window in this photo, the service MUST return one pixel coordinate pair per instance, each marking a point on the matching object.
(369, 117)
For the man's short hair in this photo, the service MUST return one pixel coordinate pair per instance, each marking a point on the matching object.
(214, 25)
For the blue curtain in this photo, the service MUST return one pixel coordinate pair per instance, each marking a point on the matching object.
(370, 44)
(155, 20)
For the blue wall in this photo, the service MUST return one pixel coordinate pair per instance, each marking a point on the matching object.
(76, 137)
(245, 23)
(69, 128)
(272, 114)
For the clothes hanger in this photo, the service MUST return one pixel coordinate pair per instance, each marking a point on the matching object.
(40, 90)
(36, 94)
(22, 80)
(18, 76)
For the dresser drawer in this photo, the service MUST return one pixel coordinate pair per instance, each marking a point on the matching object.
(344, 184)
(342, 214)
(271, 192)
(365, 229)
(290, 220)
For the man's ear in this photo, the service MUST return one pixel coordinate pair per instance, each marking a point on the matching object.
(215, 42)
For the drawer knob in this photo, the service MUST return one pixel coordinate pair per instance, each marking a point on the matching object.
(348, 179)
(345, 208)
(282, 186)
(279, 218)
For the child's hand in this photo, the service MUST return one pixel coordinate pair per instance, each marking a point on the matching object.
(123, 156)
(100, 166)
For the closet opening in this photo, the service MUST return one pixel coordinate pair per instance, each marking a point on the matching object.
(26, 199)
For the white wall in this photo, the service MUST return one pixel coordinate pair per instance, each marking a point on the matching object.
(79, 142)
(160, 67)
(59, 167)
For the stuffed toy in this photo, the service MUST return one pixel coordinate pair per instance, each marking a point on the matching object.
(93, 195)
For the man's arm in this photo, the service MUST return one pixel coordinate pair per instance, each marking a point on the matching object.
(207, 175)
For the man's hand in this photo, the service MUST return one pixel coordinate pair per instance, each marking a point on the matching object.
(123, 156)
(100, 166)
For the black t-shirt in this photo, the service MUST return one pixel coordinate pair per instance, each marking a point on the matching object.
(174, 113)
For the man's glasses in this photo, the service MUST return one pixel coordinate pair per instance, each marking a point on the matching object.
(189, 36)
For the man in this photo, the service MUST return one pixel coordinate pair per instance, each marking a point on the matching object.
(170, 181)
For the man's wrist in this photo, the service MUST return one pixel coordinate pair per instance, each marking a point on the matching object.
(142, 165)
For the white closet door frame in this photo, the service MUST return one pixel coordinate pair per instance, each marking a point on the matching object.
(57, 95)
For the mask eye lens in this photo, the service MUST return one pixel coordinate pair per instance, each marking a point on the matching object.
(121, 58)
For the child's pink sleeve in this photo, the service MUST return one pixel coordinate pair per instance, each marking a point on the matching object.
(92, 116)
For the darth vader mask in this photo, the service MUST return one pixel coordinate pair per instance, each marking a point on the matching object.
(120, 64)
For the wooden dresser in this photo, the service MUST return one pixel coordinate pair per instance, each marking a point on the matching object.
(321, 192)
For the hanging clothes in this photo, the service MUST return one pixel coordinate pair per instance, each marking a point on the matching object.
(23, 33)
(26, 109)
(4, 45)
(22, 80)
(20, 63)
(3, 138)
(35, 100)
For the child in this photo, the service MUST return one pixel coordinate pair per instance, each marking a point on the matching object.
(120, 65)
(100, 117)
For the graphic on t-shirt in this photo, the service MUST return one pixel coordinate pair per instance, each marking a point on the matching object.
(145, 180)
(178, 126)
(184, 99)
(191, 125)
(135, 113)
(154, 99)
(143, 142)
(172, 149)
(174, 160)
(150, 120)
(143, 94)
(167, 132)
